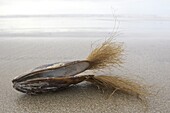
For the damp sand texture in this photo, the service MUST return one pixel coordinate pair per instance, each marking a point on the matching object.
(146, 59)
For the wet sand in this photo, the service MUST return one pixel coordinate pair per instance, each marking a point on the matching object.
(146, 59)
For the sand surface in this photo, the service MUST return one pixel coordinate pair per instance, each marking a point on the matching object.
(146, 59)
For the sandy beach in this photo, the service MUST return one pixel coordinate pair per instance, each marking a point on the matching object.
(146, 60)
(38, 32)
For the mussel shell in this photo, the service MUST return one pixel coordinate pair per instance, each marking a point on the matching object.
(39, 86)
(55, 70)
(42, 85)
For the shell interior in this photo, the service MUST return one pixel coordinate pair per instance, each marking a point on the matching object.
(55, 70)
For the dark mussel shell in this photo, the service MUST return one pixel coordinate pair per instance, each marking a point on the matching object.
(50, 77)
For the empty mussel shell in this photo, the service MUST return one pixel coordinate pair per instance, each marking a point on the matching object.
(49, 77)
(42, 85)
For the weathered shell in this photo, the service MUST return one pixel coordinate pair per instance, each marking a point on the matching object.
(36, 86)
(55, 70)
(50, 77)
